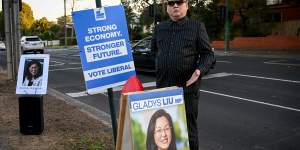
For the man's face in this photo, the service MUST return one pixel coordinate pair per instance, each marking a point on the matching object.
(177, 9)
(162, 133)
(33, 69)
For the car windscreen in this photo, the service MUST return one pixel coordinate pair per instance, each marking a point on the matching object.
(32, 39)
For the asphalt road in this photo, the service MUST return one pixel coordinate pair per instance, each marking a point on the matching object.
(246, 103)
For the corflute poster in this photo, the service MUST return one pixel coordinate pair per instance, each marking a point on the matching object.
(105, 51)
(33, 74)
(158, 119)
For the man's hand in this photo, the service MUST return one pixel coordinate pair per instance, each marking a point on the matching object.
(194, 77)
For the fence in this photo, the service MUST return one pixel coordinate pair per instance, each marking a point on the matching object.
(257, 43)
(52, 43)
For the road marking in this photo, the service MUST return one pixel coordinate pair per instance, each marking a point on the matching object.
(75, 63)
(250, 100)
(224, 61)
(56, 63)
(250, 76)
(217, 75)
(53, 50)
(277, 62)
(145, 85)
(153, 84)
(115, 89)
(65, 69)
(149, 84)
(78, 94)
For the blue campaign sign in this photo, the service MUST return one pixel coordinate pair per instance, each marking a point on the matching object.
(163, 108)
(105, 51)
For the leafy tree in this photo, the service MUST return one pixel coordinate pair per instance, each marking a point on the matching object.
(61, 24)
(146, 18)
(44, 28)
(61, 20)
(41, 25)
(130, 17)
(140, 5)
(26, 18)
(253, 15)
(55, 29)
(207, 11)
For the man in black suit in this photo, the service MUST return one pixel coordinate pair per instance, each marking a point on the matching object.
(183, 56)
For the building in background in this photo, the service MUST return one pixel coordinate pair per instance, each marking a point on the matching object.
(286, 15)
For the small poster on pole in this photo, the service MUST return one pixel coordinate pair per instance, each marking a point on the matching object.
(153, 119)
(33, 74)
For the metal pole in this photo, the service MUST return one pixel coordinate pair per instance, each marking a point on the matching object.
(7, 23)
(111, 99)
(112, 112)
(227, 33)
(65, 24)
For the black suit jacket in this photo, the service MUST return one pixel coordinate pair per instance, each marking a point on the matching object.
(181, 47)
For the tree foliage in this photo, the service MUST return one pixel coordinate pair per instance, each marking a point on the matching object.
(207, 11)
(253, 18)
(61, 20)
(26, 16)
(45, 29)
(41, 25)
(130, 17)
(254, 14)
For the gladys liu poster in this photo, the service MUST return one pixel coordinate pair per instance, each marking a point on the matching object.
(158, 119)
(33, 74)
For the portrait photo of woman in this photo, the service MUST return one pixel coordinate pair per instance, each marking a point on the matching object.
(33, 73)
(160, 134)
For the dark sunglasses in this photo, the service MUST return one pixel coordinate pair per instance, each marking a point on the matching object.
(172, 3)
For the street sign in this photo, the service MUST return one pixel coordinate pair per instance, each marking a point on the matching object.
(105, 51)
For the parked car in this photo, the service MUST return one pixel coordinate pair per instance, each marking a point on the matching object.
(144, 58)
(32, 44)
(2, 46)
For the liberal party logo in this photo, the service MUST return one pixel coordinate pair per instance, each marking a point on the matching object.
(99, 14)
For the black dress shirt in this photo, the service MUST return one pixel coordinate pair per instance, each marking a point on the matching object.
(181, 47)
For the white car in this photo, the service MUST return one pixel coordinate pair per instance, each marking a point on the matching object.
(32, 44)
(2, 46)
